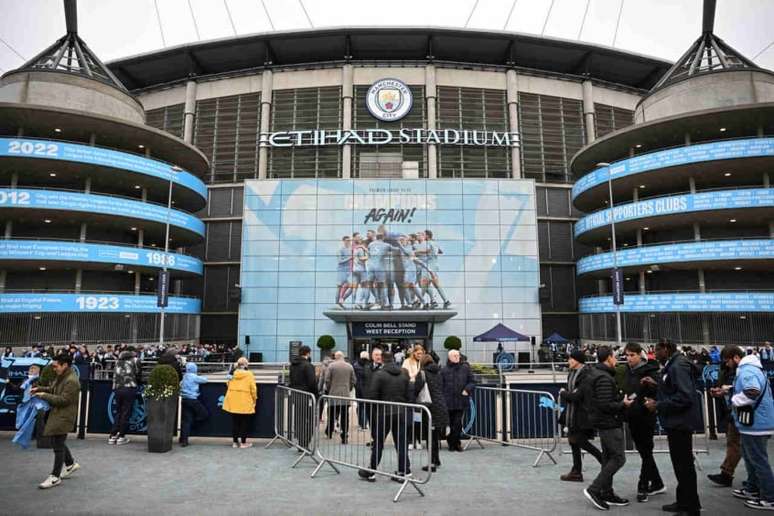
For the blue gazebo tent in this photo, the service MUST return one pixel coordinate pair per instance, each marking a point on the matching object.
(556, 338)
(500, 333)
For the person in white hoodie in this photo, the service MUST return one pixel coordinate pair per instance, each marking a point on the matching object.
(754, 417)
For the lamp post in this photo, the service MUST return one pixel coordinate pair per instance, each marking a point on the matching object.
(165, 284)
(616, 273)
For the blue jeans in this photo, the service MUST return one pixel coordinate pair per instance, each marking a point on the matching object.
(756, 461)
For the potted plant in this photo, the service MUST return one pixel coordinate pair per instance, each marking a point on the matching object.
(160, 395)
(452, 342)
(326, 343)
(47, 377)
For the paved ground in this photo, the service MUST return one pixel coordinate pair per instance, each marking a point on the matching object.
(209, 477)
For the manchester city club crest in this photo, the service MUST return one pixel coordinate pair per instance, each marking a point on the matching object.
(389, 100)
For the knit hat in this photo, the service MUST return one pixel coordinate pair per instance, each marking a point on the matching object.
(579, 356)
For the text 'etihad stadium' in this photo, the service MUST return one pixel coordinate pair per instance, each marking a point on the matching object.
(319, 137)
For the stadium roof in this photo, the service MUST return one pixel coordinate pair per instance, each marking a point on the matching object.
(393, 44)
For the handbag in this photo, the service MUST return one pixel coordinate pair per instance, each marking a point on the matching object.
(424, 397)
(746, 415)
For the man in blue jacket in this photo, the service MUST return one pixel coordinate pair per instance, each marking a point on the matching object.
(754, 418)
(193, 409)
(677, 406)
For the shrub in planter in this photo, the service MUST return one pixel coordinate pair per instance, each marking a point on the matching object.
(47, 377)
(326, 343)
(160, 395)
(452, 342)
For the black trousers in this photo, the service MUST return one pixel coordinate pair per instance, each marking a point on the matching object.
(642, 435)
(580, 440)
(303, 421)
(61, 454)
(681, 453)
(193, 411)
(340, 412)
(455, 429)
(382, 425)
(124, 397)
(435, 445)
(240, 423)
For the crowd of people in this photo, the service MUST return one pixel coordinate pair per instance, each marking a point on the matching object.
(105, 355)
(655, 391)
(660, 395)
(379, 376)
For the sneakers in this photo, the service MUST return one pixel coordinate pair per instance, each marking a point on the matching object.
(616, 500)
(572, 476)
(760, 505)
(246, 445)
(426, 468)
(642, 496)
(656, 489)
(112, 439)
(50, 482)
(235, 445)
(596, 500)
(721, 479)
(123, 440)
(69, 470)
(410, 446)
(366, 475)
(744, 494)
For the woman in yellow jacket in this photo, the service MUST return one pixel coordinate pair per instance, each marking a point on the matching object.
(240, 402)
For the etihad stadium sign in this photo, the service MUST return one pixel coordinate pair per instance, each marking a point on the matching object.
(320, 137)
(389, 100)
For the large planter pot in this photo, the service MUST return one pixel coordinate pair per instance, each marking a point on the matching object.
(161, 423)
(40, 424)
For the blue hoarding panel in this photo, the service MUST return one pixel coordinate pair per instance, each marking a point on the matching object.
(72, 201)
(687, 302)
(704, 201)
(55, 150)
(358, 242)
(732, 149)
(100, 303)
(81, 252)
(762, 249)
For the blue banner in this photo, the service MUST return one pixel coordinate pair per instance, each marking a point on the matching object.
(762, 249)
(687, 302)
(703, 201)
(117, 206)
(85, 302)
(55, 150)
(731, 149)
(82, 252)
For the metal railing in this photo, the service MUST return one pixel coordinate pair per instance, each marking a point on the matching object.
(513, 417)
(409, 427)
(295, 417)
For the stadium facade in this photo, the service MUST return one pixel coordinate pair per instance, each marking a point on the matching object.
(89, 193)
(306, 137)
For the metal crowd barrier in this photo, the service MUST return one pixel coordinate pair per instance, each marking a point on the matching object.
(339, 441)
(513, 417)
(295, 421)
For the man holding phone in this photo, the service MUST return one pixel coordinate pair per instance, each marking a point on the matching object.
(642, 422)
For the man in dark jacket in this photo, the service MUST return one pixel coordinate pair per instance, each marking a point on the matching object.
(642, 422)
(169, 357)
(606, 410)
(63, 396)
(458, 385)
(391, 383)
(576, 419)
(302, 378)
(361, 365)
(678, 410)
(369, 372)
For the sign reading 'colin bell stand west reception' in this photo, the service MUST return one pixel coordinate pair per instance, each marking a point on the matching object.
(409, 246)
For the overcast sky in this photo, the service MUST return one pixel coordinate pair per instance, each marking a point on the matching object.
(120, 28)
